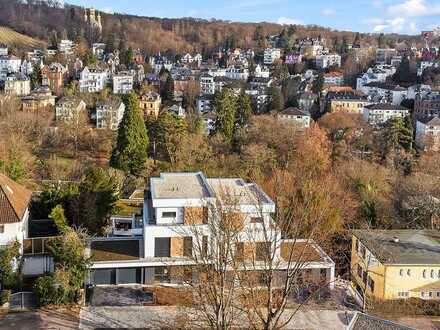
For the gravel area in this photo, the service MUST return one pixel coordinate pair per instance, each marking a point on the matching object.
(155, 317)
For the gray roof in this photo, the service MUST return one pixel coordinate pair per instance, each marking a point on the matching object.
(385, 106)
(429, 120)
(295, 112)
(362, 321)
(405, 247)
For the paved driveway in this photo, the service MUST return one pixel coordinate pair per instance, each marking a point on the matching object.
(155, 317)
(43, 319)
(119, 296)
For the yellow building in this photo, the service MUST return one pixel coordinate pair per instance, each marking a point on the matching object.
(150, 103)
(396, 264)
(348, 105)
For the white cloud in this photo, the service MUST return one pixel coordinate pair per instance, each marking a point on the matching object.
(328, 12)
(414, 8)
(396, 25)
(377, 3)
(289, 21)
(108, 10)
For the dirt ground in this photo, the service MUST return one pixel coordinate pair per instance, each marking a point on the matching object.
(49, 318)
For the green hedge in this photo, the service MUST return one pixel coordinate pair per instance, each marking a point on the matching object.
(5, 295)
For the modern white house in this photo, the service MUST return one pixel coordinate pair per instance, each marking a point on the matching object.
(14, 212)
(123, 82)
(177, 214)
(327, 60)
(109, 113)
(380, 113)
(92, 80)
(271, 55)
(66, 46)
(237, 72)
(301, 118)
(428, 133)
(261, 71)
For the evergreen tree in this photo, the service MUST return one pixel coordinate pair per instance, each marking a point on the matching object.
(243, 110)
(403, 73)
(275, 100)
(168, 90)
(225, 107)
(318, 84)
(131, 150)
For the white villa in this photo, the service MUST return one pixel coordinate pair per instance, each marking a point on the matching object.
(92, 80)
(153, 243)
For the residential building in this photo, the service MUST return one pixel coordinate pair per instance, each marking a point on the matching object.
(428, 133)
(271, 55)
(98, 49)
(396, 264)
(396, 60)
(66, 47)
(334, 78)
(53, 76)
(427, 104)
(423, 65)
(4, 50)
(40, 99)
(139, 56)
(14, 211)
(150, 103)
(205, 104)
(18, 85)
(207, 85)
(327, 60)
(261, 71)
(69, 109)
(384, 55)
(109, 113)
(9, 64)
(384, 92)
(236, 72)
(296, 116)
(174, 204)
(177, 110)
(418, 90)
(92, 80)
(380, 113)
(122, 83)
(348, 103)
(293, 58)
(306, 101)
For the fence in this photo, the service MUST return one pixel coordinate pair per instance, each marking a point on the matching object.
(22, 300)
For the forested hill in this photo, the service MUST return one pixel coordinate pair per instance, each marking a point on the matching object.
(43, 21)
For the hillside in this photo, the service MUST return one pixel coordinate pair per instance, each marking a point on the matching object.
(153, 35)
(15, 39)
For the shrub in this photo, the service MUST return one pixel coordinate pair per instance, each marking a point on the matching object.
(5, 295)
(48, 293)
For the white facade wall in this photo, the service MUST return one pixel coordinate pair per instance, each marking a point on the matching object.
(15, 231)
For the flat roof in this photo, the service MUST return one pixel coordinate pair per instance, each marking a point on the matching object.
(405, 247)
(180, 186)
(241, 192)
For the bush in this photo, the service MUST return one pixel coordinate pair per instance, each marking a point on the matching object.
(5, 295)
(48, 293)
(411, 306)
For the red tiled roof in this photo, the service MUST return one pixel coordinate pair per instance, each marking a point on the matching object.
(14, 200)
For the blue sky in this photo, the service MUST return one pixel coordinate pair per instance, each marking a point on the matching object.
(400, 16)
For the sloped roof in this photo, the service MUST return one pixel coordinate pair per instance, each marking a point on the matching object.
(364, 321)
(14, 200)
(431, 121)
(294, 112)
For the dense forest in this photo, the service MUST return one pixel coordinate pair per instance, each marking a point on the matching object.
(48, 22)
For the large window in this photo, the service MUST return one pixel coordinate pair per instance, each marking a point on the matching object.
(162, 247)
(169, 215)
(129, 275)
(161, 274)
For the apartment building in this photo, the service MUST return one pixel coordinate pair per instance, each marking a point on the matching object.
(18, 85)
(271, 55)
(109, 113)
(396, 264)
(295, 116)
(92, 80)
(348, 103)
(327, 60)
(123, 83)
(69, 109)
(177, 215)
(380, 113)
(428, 133)
(150, 103)
(207, 84)
(53, 76)
(334, 78)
